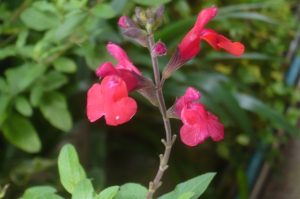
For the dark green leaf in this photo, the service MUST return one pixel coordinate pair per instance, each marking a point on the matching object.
(3, 86)
(246, 15)
(65, 64)
(23, 106)
(131, 191)
(84, 190)
(39, 20)
(104, 11)
(242, 183)
(54, 108)
(255, 105)
(20, 132)
(4, 102)
(196, 185)
(70, 170)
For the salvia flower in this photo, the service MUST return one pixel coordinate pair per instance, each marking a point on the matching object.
(198, 124)
(189, 46)
(111, 97)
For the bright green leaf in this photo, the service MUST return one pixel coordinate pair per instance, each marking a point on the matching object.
(50, 196)
(65, 64)
(36, 94)
(54, 108)
(84, 190)
(108, 193)
(104, 10)
(150, 3)
(23, 106)
(197, 185)
(187, 195)
(131, 191)
(38, 191)
(70, 26)
(54, 80)
(22, 37)
(20, 132)
(39, 20)
(70, 170)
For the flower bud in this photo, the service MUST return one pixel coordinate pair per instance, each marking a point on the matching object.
(149, 13)
(158, 15)
(149, 25)
(159, 49)
(149, 94)
(141, 16)
(122, 23)
(135, 33)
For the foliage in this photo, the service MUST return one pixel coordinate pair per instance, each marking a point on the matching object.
(49, 50)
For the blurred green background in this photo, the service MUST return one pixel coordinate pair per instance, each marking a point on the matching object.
(50, 49)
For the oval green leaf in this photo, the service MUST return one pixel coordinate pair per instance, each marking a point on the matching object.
(23, 106)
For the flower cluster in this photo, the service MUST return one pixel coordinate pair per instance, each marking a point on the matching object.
(110, 98)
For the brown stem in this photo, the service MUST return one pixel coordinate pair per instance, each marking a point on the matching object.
(168, 144)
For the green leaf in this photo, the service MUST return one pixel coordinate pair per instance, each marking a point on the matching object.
(20, 78)
(242, 183)
(246, 15)
(104, 11)
(256, 106)
(3, 86)
(197, 185)
(65, 64)
(4, 102)
(232, 8)
(54, 108)
(23, 106)
(131, 191)
(49, 196)
(7, 51)
(20, 132)
(70, 170)
(70, 26)
(38, 192)
(187, 195)
(150, 3)
(22, 37)
(84, 190)
(108, 193)
(36, 94)
(54, 80)
(40, 20)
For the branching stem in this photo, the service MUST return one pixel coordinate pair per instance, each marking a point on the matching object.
(169, 140)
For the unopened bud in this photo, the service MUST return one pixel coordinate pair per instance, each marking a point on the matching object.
(149, 13)
(135, 33)
(159, 49)
(149, 25)
(149, 94)
(141, 16)
(122, 23)
(158, 15)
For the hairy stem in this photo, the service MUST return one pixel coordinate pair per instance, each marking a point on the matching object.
(169, 140)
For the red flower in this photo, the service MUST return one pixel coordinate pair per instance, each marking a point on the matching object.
(111, 97)
(111, 100)
(199, 124)
(124, 69)
(189, 46)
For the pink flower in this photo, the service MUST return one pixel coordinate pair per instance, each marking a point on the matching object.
(124, 69)
(111, 100)
(198, 124)
(189, 46)
(111, 97)
(122, 23)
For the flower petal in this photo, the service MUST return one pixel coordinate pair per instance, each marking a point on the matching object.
(193, 135)
(218, 41)
(204, 17)
(192, 95)
(216, 130)
(129, 78)
(189, 46)
(190, 117)
(95, 102)
(106, 69)
(122, 57)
